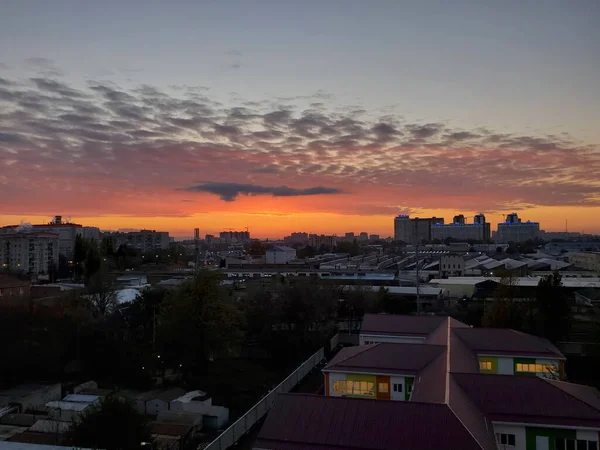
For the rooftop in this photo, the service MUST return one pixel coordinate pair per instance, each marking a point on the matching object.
(299, 422)
(504, 341)
(385, 358)
(400, 325)
(510, 398)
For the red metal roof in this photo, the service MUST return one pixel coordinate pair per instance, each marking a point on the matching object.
(298, 422)
(400, 325)
(511, 398)
(386, 358)
(504, 341)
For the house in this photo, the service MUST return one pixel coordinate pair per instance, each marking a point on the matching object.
(456, 401)
(280, 255)
(397, 328)
(383, 371)
(510, 352)
(171, 436)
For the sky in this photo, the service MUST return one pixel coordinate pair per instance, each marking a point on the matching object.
(319, 116)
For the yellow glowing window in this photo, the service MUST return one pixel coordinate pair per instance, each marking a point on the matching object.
(535, 368)
(383, 387)
(354, 387)
(485, 365)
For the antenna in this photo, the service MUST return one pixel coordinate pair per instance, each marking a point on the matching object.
(566, 225)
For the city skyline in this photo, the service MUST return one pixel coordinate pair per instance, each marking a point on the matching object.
(286, 120)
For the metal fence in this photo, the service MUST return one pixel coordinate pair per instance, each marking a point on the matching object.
(241, 426)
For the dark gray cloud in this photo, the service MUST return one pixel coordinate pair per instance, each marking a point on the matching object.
(230, 191)
(425, 131)
(55, 87)
(271, 168)
(10, 138)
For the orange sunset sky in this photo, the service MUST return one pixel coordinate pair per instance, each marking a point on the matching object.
(330, 118)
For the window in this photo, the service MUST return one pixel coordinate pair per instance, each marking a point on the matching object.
(397, 387)
(536, 368)
(572, 444)
(383, 387)
(354, 387)
(409, 388)
(505, 439)
(485, 365)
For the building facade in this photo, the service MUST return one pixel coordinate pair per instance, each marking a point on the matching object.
(34, 253)
(586, 260)
(280, 255)
(452, 266)
(514, 230)
(414, 231)
(148, 241)
(318, 240)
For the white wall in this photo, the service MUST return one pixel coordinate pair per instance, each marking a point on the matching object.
(397, 395)
(587, 435)
(518, 431)
(335, 377)
(394, 339)
(506, 366)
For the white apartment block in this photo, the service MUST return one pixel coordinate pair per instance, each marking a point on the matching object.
(316, 240)
(461, 231)
(31, 252)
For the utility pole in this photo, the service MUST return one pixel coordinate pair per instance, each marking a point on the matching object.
(418, 280)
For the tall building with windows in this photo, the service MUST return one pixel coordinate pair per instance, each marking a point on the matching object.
(459, 230)
(32, 252)
(414, 231)
(514, 230)
(148, 241)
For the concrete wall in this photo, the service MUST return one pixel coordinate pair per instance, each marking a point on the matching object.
(217, 416)
(518, 431)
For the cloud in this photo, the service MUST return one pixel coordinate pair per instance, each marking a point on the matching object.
(132, 148)
(230, 191)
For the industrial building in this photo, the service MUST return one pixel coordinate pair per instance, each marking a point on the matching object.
(586, 260)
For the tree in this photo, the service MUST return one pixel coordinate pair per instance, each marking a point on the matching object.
(101, 294)
(113, 424)
(199, 322)
(553, 308)
(505, 311)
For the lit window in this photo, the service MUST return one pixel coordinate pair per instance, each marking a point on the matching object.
(354, 387)
(485, 365)
(383, 388)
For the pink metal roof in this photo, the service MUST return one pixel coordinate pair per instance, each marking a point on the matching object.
(400, 325)
(308, 421)
(504, 341)
(386, 358)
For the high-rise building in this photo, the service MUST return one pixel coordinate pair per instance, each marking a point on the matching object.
(363, 237)
(296, 239)
(148, 241)
(459, 219)
(67, 233)
(234, 237)
(479, 230)
(414, 231)
(316, 240)
(514, 230)
(349, 237)
(374, 237)
(33, 252)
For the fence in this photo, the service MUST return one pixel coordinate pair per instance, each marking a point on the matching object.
(334, 342)
(241, 426)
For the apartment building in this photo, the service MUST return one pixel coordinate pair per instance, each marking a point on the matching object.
(33, 252)
(316, 240)
(450, 387)
(515, 230)
(414, 231)
(148, 241)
